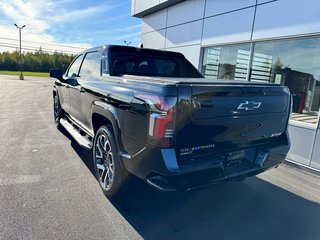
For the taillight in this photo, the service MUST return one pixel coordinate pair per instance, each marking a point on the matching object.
(161, 122)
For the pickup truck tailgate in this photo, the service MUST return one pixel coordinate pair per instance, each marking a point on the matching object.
(220, 118)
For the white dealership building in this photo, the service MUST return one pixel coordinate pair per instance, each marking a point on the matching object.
(274, 41)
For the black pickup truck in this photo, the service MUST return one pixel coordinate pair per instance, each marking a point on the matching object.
(152, 114)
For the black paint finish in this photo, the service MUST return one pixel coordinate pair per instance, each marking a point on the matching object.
(221, 129)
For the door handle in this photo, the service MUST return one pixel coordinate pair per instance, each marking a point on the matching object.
(82, 90)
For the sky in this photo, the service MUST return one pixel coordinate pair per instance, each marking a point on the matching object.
(69, 26)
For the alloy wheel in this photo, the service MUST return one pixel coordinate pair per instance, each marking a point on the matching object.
(104, 161)
(56, 110)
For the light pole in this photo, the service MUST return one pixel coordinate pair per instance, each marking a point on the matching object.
(21, 76)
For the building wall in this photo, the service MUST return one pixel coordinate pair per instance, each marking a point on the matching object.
(192, 25)
(188, 25)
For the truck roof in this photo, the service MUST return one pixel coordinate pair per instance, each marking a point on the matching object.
(130, 49)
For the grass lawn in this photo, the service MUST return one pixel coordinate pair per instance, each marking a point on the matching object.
(17, 73)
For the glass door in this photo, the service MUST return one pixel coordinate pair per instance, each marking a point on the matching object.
(294, 63)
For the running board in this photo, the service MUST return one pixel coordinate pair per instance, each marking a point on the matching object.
(80, 139)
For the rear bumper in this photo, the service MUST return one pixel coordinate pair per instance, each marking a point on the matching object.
(161, 169)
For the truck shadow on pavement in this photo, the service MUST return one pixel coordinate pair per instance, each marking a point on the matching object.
(252, 209)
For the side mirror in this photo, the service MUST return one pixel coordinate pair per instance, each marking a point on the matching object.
(72, 81)
(56, 73)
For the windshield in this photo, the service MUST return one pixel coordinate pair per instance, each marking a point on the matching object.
(145, 64)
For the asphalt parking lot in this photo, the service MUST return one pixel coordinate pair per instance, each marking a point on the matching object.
(48, 191)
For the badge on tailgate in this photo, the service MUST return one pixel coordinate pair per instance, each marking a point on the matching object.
(191, 150)
(249, 105)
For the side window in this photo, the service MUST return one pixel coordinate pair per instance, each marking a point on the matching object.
(89, 65)
(73, 70)
(167, 67)
(104, 63)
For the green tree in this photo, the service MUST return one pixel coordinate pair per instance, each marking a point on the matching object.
(38, 61)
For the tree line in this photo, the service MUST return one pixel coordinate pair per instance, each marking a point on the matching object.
(38, 61)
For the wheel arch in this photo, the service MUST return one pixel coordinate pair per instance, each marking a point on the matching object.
(104, 114)
(55, 92)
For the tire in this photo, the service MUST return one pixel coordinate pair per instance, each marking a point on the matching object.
(112, 177)
(57, 111)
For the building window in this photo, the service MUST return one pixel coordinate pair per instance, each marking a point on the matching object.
(226, 62)
(294, 63)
